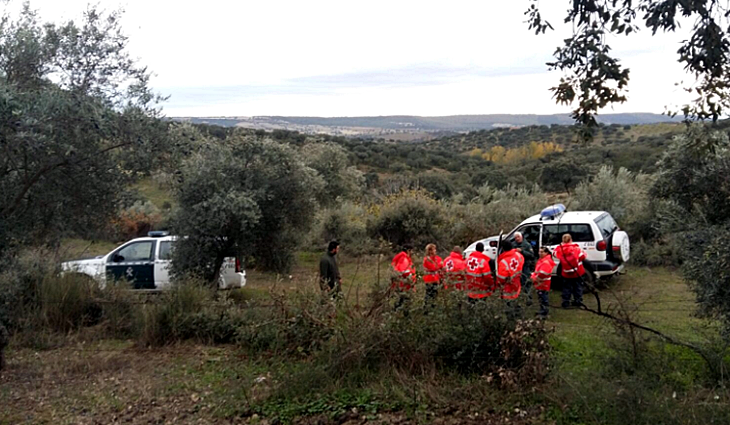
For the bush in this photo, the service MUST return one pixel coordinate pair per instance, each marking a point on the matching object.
(493, 210)
(187, 311)
(68, 302)
(20, 283)
(623, 194)
(663, 252)
(136, 221)
(297, 325)
(346, 224)
(453, 336)
(410, 216)
(350, 345)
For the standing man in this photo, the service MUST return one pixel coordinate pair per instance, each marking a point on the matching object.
(525, 248)
(571, 269)
(479, 280)
(542, 279)
(329, 275)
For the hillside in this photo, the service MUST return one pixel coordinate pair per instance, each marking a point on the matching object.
(421, 127)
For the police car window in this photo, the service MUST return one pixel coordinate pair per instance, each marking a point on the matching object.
(138, 251)
(165, 250)
(607, 225)
(552, 234)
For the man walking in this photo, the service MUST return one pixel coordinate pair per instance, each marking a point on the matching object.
(329, 275)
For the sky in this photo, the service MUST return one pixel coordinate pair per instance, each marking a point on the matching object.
(355, 58)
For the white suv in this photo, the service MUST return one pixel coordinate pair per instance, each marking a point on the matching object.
(146, 263)
(607, 247)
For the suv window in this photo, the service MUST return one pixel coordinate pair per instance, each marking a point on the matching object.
(552, 234)
(138, 251)
(607, 225)
(166, 250)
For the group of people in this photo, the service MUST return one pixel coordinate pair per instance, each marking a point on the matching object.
(516, 271)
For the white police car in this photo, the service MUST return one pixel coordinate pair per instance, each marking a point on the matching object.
(606, 246)
(145, 262)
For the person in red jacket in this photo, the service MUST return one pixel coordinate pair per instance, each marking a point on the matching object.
(433, 265)
(541, 279)
(509, 271)
(404, 274)
(571, 270)
(454, 267)
(479, 280)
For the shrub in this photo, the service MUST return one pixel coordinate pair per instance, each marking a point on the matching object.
(623, 194)
(663, 252)
(20, 283)
(297, 325)
(178, 314)
(410, 216)
(350, 345)
(136, 220)
(493, 210)
(68, 302)
(348, 225)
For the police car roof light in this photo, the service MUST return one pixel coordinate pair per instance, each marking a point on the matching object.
(552, 211)
(157, 233)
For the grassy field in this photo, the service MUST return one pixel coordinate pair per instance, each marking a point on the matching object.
(90, 379)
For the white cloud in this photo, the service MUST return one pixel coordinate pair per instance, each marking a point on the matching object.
(364, 58)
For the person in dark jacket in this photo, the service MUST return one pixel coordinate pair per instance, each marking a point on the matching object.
(525, 248)
(329, 275)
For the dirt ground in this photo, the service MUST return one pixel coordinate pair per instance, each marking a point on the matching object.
(114, 382)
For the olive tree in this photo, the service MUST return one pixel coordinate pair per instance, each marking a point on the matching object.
(693, 181)
(77, 119)
(242, 196)
(341, 180)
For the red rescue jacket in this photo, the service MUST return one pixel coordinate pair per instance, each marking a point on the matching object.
(405, 274)
(479, 280)
(454, 266)
(509, 272)
(433, 266)
(542, 275)
(571, 260)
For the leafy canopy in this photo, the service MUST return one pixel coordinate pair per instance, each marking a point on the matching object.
(242, 196)
(77, 120)
(596, 78)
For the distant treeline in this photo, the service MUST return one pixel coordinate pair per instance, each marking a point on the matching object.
(446, 123)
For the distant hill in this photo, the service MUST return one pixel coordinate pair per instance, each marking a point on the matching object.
(383, 126)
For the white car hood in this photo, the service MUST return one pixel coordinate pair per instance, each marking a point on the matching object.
(93, 267)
